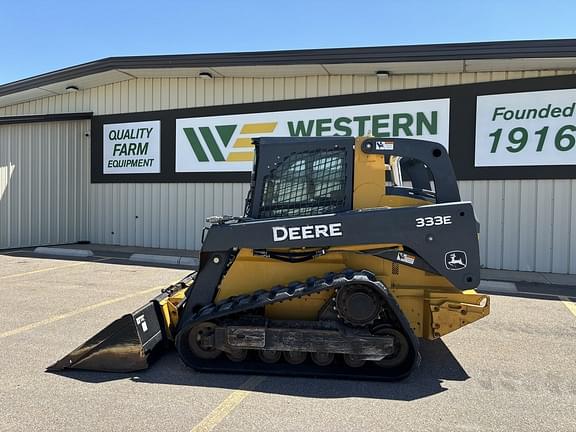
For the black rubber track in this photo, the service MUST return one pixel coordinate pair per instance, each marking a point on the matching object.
(238, 304)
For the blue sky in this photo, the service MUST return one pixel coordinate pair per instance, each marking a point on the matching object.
(42, 36)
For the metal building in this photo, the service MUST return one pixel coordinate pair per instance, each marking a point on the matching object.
(54, 189)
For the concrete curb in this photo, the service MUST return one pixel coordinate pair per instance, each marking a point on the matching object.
(165, 259)
(78, 253)
(497, 286)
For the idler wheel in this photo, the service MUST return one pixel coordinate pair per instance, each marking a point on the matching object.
(401, 347)
(200, 341)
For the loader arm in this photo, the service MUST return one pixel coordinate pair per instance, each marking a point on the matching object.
(456, 231)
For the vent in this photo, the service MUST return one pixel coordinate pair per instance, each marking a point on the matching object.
(395, 268)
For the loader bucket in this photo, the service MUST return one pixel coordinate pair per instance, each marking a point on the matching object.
(126, 345)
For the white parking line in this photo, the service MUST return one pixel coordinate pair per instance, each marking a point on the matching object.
(52, 268)
(75, 312)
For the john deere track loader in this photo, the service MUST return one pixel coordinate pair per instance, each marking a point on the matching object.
(348, 252)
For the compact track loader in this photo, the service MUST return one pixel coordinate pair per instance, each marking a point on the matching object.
(348, 252)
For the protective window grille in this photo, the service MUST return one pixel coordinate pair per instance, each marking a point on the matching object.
(305, 184)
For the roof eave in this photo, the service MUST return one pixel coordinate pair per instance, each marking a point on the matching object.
(402, 53)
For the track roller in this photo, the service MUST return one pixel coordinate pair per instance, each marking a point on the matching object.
(237, 355)
(295, 357)
(322, 358)
(354, 361)
(269, 356)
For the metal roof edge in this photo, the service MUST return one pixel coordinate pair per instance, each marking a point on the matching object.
(549, 48)
(42, 118)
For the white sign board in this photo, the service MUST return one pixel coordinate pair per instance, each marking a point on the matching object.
(223, 143)
(132, 148)
(524, 129)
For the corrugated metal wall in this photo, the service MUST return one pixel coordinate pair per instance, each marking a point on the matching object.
(167, 215)
(526, 224)
(43, 183)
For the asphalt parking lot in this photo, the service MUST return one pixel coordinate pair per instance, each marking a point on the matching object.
(513, 371)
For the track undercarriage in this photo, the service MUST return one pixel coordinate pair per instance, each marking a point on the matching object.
(360, 333)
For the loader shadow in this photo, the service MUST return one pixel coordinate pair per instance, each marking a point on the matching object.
(438, 364)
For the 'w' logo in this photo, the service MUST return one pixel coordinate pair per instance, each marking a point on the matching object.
(216, 141)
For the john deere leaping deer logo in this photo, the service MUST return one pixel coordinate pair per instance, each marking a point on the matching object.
(455, 260)
(213, 143)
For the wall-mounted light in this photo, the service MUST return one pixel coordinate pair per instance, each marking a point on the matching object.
(382, 74)
(71, 89)
(205, 75)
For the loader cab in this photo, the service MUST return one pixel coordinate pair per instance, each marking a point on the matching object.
(307, 176)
